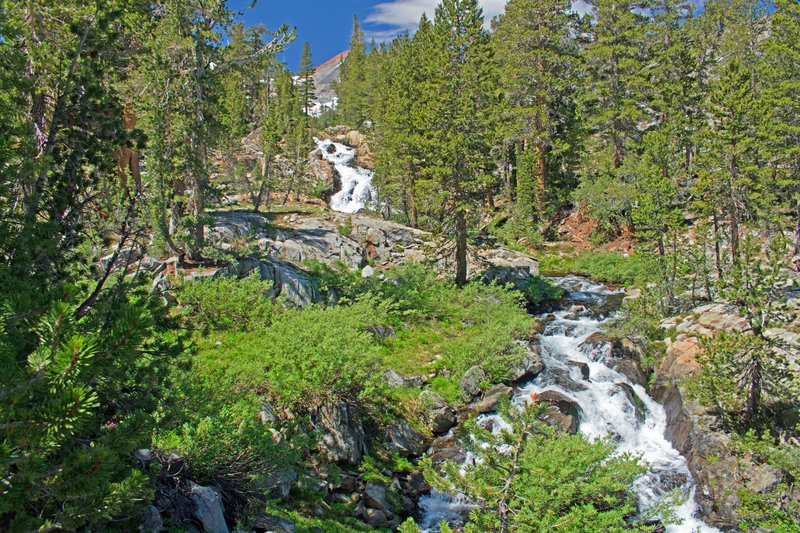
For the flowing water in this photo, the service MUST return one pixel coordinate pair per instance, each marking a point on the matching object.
(357, 190)
(608, 407)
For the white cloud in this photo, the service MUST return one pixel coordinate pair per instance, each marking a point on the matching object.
(401, 15)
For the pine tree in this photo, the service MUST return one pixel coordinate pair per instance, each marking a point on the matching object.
(178, 81)
(306, 80)
(459, 107)
(350, 89)
(534, 478)
(615, 59)
(537, 58)
(729, 164)
(781, 75)
(400, 122)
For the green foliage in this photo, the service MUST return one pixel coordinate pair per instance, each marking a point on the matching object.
(219, 439)
(346, 283)
(540, 290)
(775, 509)
(609, 267)
(304, 358)
(221, 304)
(73, 404)
(473, 325)
(537, 478)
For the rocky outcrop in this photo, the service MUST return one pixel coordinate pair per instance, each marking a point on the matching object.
(287, 282)
(470, 384)
(561, 412)
(341, 432)
(405, 440)
(439, 416)
(530, 365)
(324, 172)
(280, 482)
(493, 396)
(693, 431)
(208, 509)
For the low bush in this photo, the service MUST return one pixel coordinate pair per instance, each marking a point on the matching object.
(220, 304)
(305, 357)
(540, 290)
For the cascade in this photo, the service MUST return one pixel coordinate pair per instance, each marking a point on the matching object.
(357, 190)
(607, 409)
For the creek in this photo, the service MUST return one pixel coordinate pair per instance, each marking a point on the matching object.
(357, 190)
(610, 405)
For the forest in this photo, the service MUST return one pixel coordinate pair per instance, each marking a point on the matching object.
(160, 374)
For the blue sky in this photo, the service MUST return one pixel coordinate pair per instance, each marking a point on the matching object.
(327, 24)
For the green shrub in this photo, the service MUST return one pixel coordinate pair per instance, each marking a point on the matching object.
(540, 290)
(348, 284)
(538, 479)
(609, 267)
(229, 439)
(221, 304)
(305, 357)
(462, 327)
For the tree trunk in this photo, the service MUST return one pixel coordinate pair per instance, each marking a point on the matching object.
(756, 376)
(734, 213)
(717, 254)
(199, 181)
(265, 180)
(797, 231)
(461, 247)
(412, 194)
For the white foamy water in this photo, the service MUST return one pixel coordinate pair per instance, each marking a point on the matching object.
(608, 409)
(357, 190)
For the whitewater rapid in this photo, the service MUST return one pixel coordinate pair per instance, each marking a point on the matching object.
(608, 409)
(357, 190)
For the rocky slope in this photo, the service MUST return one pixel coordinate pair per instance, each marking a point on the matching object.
(694, 432)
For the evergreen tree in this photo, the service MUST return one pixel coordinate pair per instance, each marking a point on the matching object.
(306, 80)
(537, 57)
(179, 80)
(350, 88)
(459, 108)
(615, 60)
(729, 164)
(534, 478)
(400, 117)
(781, 75)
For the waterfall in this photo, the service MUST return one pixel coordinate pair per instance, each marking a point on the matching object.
(607, 407)
(357, 190)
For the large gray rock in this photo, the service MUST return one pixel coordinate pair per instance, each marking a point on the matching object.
(277, 524)
(375, 498)
(405, 440)
(126, 257)
(287, 283)
(492, 397)
(376, 519)
(562, 411)
(341, 433)
(208, 509)
(531, 364)
(151, 521)
(470, 384)
(439, 416)
(280, 483)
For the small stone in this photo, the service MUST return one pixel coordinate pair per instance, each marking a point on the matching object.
(208, 509)
(144, 456)
(470, 384)
(151, 521)
(375, 497)
(492, 398)
(367, 272)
